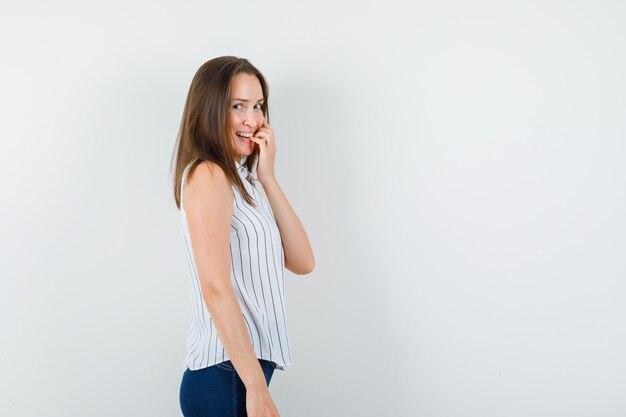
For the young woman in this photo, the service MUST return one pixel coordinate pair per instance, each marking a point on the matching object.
(238, 242)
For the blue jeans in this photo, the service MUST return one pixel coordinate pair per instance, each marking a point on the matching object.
(217, 390)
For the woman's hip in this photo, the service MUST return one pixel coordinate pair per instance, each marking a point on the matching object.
(217, 390)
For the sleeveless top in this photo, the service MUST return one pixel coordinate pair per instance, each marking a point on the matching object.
(257, 277)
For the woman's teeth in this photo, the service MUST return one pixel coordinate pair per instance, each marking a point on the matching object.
(244, 135)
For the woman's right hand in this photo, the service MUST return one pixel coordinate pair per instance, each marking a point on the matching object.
(259, 403)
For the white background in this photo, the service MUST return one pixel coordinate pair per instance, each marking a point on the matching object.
(459, 167)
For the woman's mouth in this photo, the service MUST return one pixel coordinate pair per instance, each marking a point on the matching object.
(245, 136)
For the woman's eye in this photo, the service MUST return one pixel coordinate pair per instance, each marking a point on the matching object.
(237, 106)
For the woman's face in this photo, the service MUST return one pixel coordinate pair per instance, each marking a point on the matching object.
(246, 115)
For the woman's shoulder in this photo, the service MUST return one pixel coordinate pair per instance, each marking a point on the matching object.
(206, 170)
(205, 181)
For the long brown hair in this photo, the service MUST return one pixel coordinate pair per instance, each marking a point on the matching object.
(204, 133)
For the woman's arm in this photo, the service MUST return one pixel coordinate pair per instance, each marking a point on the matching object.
(298, 253)
(299, 257)
(208, 204)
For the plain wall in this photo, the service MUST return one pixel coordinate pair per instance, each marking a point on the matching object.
(459, 167)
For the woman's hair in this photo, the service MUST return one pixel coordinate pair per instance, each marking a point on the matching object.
(204, 133)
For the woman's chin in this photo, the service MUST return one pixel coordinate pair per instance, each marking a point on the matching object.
(245, 152)
(244, 146)
(245, 149)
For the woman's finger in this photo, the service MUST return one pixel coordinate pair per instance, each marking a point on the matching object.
(258, 140)
(265, 131)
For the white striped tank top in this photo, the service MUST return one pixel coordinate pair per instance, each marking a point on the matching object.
(257, 277)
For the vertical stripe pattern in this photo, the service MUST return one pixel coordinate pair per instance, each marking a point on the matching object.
(257, 276)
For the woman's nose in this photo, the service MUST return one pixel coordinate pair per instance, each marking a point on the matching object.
(253, 121)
